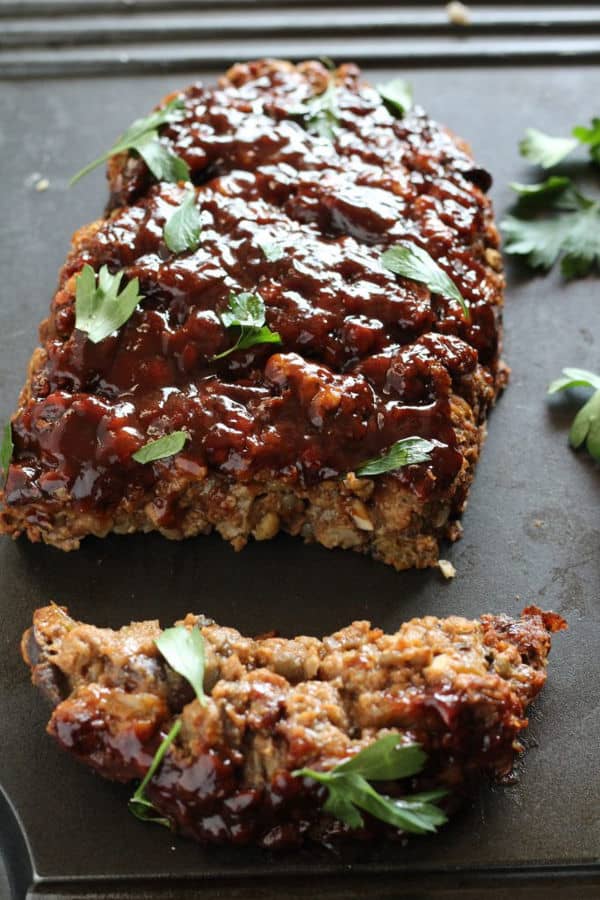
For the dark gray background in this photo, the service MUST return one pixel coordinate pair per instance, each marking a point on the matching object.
(531, 533)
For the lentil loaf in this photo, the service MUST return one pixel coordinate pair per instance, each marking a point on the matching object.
(275, 432)
(458, 687)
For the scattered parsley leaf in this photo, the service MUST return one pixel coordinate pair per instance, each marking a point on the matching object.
(99, 307)
(554, 218)
(590, 136)
(164, 165)
(6, 452)
(548, 151)
(271, 250)
(183, 649)
(557, 189)
(142, 136)
(586, 424)
(247, 311)
(540, 242)
(385, 760)
(381, 761)
(162, 447)
(544, 149)
(397, 96)
(407, 452)
(139, 805)
(320, 113)
(412, 261)
(573, 378)
(183, 228)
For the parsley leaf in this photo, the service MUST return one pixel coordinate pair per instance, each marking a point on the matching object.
(557, 189)
(183, 649)
(385, 760)
(167, 445)
(139, 805)
(381, 761)
(247, 311)
(183, 228)
(553, 218)
(320, 114)
(142, 136)
(406, 452)
(590, 136)
(397, 96)
(544, 149)
(99, 308)
(586, 424)
(271, 250)
(412, 261)
(164, 165)
(6, 452)
(548, 151)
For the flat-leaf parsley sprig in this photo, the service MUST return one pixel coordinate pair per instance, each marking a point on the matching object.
(183, 649)
(100, 307)
(320, 113)
(138, 804)
(585, 430)
(246, 311)
(414, 262)
(142, 137)
(397, 95)
(387, 759)
(408, 451)
(162, 447)
(553, 219)
(183, 227)
(547, 151)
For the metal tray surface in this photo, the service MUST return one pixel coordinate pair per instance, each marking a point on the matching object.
(530, 534)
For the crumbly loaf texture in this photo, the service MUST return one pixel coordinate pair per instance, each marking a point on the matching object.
(366, 357)
(459, 687)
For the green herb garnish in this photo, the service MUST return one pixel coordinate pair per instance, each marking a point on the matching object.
(99, 307)
(554, 219)
(184, 225)
(548, 151)
(556, 188)
(385, 760)
(544, 149)
(271, 250)
(586, 424)
(246, 311)
(327, 62)
(139, 805)
(183, 649)
(6, 452)
(397, 96)
(591, 137)
(407, 452)
(412, 261)
(320, 114)
(167, 445)
(142, 136)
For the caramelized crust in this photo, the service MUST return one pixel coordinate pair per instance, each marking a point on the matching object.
(459, 687)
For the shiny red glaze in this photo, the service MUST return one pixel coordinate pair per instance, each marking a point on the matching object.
(366, 357)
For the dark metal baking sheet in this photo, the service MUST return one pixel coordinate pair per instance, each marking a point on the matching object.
(531, 533)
